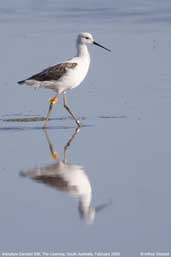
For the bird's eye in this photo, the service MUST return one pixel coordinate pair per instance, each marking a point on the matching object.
(86, 37)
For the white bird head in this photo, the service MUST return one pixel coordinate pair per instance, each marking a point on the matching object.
(86, 38)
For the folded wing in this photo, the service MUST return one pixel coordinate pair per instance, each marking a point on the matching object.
(52, 73)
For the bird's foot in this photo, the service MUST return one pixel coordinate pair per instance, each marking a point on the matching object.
(55, 155)
(53, 100)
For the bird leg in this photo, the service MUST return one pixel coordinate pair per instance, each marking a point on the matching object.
(52, 101)
(66, 106)
(66, 147)
(54, 154)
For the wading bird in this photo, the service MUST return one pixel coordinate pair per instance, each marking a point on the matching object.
(65, 76)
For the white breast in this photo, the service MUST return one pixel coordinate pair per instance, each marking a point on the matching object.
(75, 76)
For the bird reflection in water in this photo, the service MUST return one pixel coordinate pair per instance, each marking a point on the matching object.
(68, 178)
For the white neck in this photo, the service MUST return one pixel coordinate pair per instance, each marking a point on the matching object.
(85, 201)
(82, 50)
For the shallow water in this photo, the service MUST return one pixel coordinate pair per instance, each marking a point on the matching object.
(120, 159)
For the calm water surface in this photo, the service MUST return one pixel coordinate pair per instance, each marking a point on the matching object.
(106, 187)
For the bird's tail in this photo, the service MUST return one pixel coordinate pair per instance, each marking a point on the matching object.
(30, 83)
(21, 82)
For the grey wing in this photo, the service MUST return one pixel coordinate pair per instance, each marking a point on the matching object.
(52, 73)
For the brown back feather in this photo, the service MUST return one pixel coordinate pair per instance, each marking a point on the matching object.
(54, 72)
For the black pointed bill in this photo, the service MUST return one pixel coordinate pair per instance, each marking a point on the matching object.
(97, 44)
